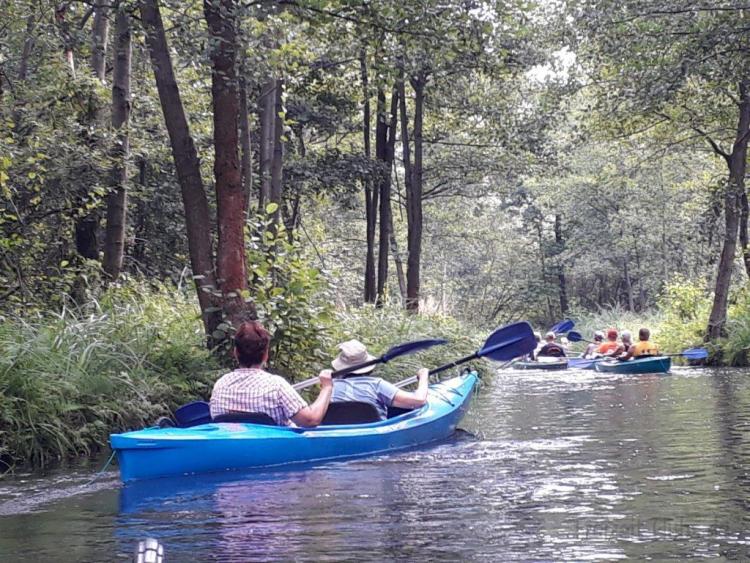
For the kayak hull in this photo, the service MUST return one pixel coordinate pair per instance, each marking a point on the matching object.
(656, 364)
(582, 363)
(214, 447)
(544, 366)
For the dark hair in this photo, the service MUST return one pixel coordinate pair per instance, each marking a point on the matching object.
(644, 334)
(251, 343)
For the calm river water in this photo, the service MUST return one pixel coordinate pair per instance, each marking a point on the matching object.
(552, 466)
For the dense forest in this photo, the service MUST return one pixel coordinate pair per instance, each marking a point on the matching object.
(169, 168)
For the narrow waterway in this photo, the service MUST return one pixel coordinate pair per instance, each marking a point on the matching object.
(562, 465)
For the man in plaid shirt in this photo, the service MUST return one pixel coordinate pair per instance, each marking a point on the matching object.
(251, 389)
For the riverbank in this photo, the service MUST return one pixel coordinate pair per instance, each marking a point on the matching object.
(68, 380)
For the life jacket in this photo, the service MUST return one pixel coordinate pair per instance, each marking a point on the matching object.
(644, 348)
(606, 347)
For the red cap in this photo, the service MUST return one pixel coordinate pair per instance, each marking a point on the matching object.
(612, 334)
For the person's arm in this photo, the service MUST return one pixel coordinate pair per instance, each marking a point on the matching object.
(313, 414)
(408, 400)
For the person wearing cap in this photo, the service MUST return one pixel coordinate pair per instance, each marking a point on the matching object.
(644, 347)
(251, 389)
(609, 347)
(590, 351)
(362, 387)
(551, 348)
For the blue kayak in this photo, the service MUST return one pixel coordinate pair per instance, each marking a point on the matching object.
(650, 364)
(582, 363)
(162, 452)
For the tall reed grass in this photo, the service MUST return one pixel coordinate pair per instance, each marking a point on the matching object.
(67, 380)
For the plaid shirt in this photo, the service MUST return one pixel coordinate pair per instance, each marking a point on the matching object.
(255, 390)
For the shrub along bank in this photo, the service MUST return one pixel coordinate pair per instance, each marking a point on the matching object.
(68, 380)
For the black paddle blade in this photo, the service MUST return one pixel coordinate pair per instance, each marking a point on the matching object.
(562, 326)
(574, 336)
(411, 348)
(509, 342)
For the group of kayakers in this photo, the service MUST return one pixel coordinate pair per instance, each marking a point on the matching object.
(251, 389)
(622, 349)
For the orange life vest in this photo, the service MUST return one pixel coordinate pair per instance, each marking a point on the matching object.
(644, 348)
(606, 347)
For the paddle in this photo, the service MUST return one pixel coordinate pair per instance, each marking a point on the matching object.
(562, 326)
(503, 344)
(690, 353)
(395, 352)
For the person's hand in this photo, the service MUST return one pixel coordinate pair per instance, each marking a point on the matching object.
(325, 379)
(423, 372)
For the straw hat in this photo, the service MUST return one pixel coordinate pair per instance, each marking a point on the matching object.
(352, 352)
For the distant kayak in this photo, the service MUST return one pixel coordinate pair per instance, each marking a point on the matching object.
(554, 364)
(651, 364)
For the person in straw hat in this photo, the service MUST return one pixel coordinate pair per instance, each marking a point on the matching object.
(363, 387)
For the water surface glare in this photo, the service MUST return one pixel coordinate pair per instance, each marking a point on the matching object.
(569, 465)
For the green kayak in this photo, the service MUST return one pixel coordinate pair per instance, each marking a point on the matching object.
(651, 364)
(558, 364)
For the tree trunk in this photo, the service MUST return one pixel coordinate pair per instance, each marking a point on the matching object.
(278, 152)
(246, 145)
(562, 282)
(735, 187)
(266, 112)
(385, 140)
(397, 260)
(744, 211)
(28, 46)
(99, 38)
(187, 165)
(414, 201)
(114, 240)
(221, 17)
(371, 208)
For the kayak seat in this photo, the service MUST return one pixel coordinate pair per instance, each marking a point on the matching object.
(193, 414)
(350, 412)
(397, 411)
(246, 417)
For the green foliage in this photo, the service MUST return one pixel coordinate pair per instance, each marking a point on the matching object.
(292, 297)
(380, 329)
(68, 380)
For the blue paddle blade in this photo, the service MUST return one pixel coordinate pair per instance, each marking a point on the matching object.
(695, 354)
(574, 336)
(562, 326)
(411, 348)
(509, 342)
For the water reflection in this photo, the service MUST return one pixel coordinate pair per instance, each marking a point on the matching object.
(561, 466)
